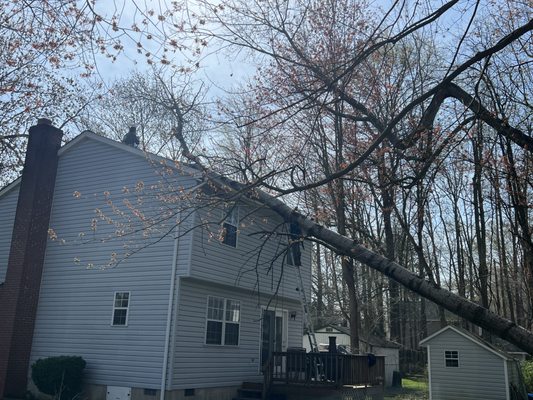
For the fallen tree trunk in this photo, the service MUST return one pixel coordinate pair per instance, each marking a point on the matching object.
(342, 245)
(460, 306)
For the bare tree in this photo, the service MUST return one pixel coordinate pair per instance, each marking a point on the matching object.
(394, 119)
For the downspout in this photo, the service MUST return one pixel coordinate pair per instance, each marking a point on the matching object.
(169, 310)
(506, 377)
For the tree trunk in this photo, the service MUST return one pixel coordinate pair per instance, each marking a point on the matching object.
(319, 285)
(520, 205)
(479, 218)
(387, 198)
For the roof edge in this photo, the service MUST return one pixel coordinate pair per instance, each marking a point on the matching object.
(466, 335)
(10, 186)
(87, 134)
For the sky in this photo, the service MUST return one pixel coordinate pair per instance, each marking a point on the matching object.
(221, 72)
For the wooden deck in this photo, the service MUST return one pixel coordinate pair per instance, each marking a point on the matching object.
(324, 370)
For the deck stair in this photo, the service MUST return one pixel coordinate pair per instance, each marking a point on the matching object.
(249, 390)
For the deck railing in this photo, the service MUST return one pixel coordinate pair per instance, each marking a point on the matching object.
(324, 369)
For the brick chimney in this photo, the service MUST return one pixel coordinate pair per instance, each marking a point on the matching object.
(20, 292)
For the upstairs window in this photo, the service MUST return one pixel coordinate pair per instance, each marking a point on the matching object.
(120, 309)
(223, 321)
(451, 358)
(294, 253)
(229, 226)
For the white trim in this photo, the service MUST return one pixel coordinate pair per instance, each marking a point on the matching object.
(429, 373)
(506, 377)
(169, 312)
(6, 189)
(124, 147)
(451, 358)
(243, 290)
(191, 233)
(278, 312)
(227, 212)
(290, 246)
(465, 335)
(121, 308)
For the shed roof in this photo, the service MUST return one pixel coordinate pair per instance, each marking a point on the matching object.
(470, 336)
(372, 340)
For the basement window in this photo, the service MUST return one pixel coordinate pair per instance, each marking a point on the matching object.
(120, 309)
(451, 357)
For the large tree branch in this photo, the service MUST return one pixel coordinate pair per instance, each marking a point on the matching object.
(389, 129)
(452, 90)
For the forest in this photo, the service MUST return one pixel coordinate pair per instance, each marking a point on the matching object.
(397, 135)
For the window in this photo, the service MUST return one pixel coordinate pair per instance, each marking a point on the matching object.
(229, 226)
(451, 358)
(120, 309)
(223, 317)
(294, 253)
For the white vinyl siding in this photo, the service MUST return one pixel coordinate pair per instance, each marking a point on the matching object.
(196, 364)
(73, 314)
(250, 265)
(8, 207)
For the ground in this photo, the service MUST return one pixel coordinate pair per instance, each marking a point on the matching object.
(415, 388)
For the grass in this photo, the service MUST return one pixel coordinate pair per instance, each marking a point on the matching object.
(412, 389)
(411, 384)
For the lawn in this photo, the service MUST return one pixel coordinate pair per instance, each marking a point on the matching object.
(412, 389)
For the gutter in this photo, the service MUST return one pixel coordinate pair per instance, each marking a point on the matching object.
(177, 235)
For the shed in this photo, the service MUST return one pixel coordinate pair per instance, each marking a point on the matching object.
(462, 365)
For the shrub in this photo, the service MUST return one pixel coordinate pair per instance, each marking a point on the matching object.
(58, 376)
(527, 373)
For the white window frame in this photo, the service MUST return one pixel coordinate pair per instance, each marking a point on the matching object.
(284, 314)
(289, 256)
(223, 321)
(231, 217)
(127, 308)
(450, 356)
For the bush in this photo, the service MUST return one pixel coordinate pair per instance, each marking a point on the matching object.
(527, 373)
(58, 376)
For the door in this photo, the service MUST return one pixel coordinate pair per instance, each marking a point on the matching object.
(273, 333)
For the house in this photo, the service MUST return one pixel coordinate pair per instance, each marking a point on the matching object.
(367, 344)
(462, 365)
(165, 287)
